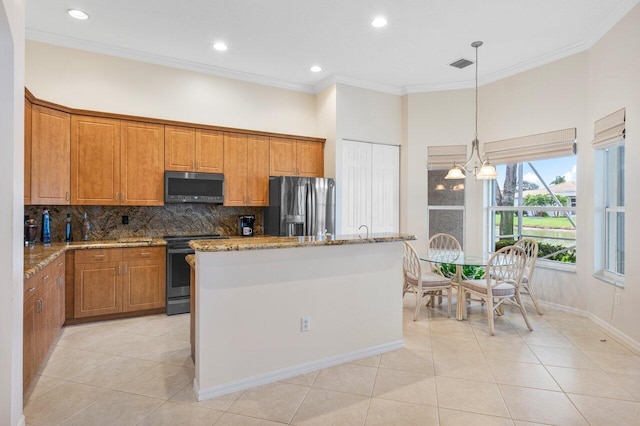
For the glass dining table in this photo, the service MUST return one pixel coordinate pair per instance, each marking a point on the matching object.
(467, 265)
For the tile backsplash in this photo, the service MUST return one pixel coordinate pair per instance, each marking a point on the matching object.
(171, 219)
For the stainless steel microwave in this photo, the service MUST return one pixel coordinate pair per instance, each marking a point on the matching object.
(187, 187)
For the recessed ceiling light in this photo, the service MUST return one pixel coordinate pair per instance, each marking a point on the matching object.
(379, 22)
(220, 46)
(78, 14)
(315, 68)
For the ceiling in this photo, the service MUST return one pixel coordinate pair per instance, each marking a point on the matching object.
(275, 42)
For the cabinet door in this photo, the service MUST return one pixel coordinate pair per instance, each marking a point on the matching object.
(59, 293)
(385, 183)
(42, 313)
(144, 285)
(258, 171)
(282, 157)
(356, 186)
(179, 149)
(310, 159)
(95, 161)
(29, 366)
(235, 169)
(27, 152)
(97, 289)
(50, 156)
(142, 164)
(209, 151)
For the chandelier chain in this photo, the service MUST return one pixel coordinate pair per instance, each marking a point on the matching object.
(476, 92)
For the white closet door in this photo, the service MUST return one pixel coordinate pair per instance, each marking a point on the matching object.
(385, 194)
(356, 186)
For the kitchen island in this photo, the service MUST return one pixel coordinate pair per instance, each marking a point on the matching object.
(256, 295)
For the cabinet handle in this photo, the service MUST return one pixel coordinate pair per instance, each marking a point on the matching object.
(46, 277)
(30, 289)
(68, 196)
(119, 269)
(126, 270)
(146, 253)
(60, 264)
(40, 306)
(98, 256)
(117, 197)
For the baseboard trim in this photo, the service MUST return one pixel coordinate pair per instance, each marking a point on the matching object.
(285, 373)
(604, 325)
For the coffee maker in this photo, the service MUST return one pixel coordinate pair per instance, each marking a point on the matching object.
(245, 225)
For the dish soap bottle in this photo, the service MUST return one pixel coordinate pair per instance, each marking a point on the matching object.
(67, 230)
(46, 227)
(86, 228)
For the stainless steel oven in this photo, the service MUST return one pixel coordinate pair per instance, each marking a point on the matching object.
(178, 291)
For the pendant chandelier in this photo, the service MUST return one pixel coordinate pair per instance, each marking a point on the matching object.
(475, 164)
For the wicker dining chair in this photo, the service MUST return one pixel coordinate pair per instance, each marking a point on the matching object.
(530, 247)
(501, 284)
(428, 283)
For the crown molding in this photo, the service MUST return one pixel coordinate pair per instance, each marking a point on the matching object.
(354, 82)
(137, 55)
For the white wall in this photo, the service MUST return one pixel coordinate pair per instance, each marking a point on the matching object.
(326, 110)
(11, 172)
(99, 82)
(613, 83)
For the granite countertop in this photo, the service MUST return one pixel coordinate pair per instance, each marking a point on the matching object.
(40, 256)
(270, 242)
(191, 260)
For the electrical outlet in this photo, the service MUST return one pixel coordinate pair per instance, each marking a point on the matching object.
(305, 323)
(617, 298)
(125, 220)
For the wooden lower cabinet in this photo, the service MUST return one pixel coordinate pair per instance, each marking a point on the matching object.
(111, 281)
(43, 315)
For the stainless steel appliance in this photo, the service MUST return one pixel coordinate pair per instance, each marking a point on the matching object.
(300, 206)
(178, 291)
(187, 187)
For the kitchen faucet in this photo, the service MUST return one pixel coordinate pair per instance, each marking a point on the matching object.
(367, 228)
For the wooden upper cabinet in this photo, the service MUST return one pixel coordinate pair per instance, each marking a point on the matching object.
(142, 164)
(27, 152)
(235, 169)
(258, 171)
(209, 151)
(193, 150)
(291, 157)
(180, 149)
(310, 158)
(282, 157)
(49, 156)
(95, 161)
(116, 162)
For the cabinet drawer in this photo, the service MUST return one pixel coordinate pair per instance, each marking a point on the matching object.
(98, 256)
(142, 253)
(31, 286)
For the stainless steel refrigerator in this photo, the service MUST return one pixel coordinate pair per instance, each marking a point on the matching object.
(300, 206)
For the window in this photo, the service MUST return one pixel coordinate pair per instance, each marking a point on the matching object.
(445, 198)
(613, 159)
(536, 199)
(445, 205)
(609, 144)
(535, 195)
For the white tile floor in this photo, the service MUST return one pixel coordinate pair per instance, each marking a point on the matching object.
(139, 372)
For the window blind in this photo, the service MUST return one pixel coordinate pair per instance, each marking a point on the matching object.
(442, 157)
(559, 143)
(610, 129)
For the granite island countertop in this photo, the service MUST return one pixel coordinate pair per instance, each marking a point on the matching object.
(270, 242)
(40, 256)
